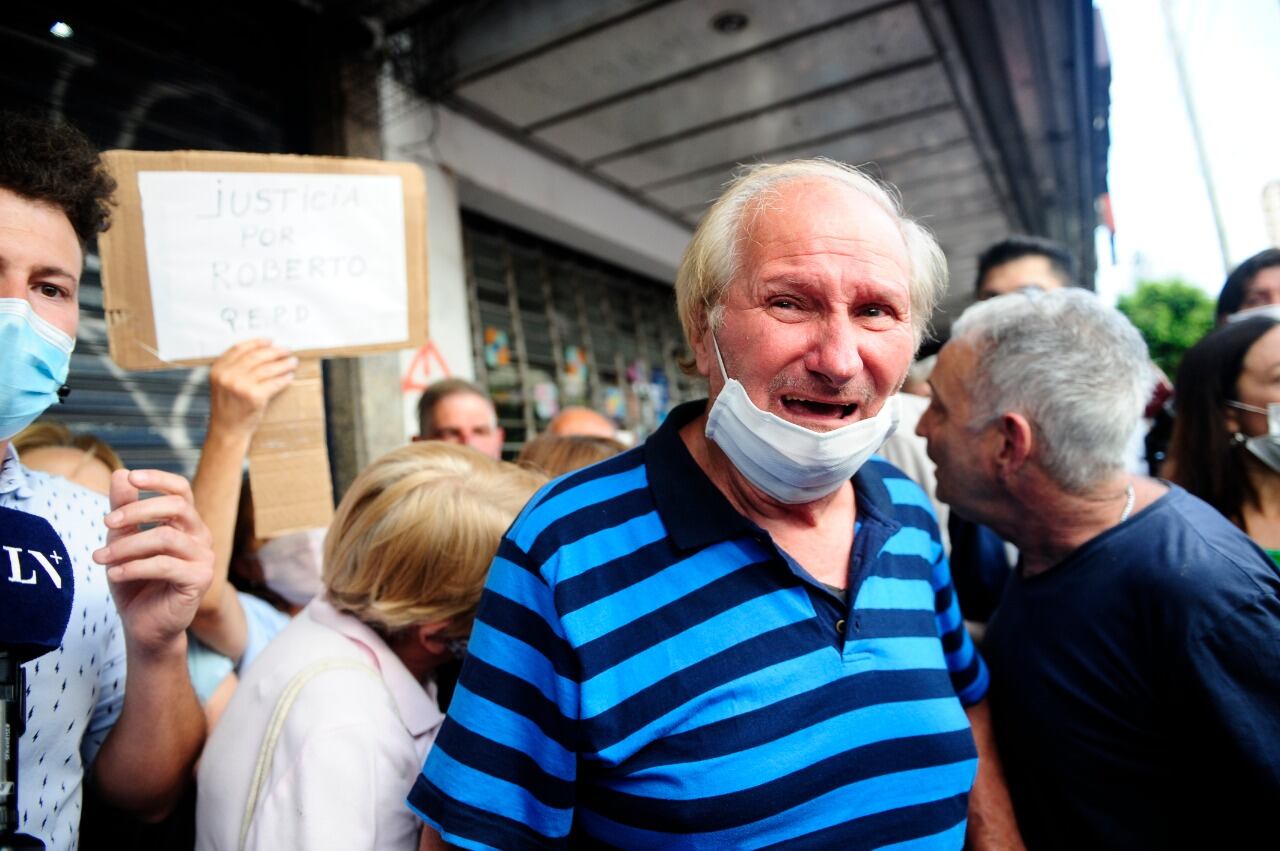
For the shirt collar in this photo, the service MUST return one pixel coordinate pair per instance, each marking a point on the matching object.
(677, 482)
(13, 476)
(417, 705)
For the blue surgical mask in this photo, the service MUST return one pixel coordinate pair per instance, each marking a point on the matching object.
(34, 360)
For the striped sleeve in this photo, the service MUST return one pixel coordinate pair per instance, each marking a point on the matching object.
(968, 671)
(502, 771)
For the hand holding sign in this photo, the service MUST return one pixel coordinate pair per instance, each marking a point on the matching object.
(243, 381)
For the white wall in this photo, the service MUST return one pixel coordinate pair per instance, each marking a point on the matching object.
(469, 165)
(449, 350)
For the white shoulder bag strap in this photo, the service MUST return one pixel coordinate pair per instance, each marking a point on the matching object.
(287, 697)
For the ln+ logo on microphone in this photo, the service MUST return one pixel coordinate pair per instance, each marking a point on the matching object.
(15, 566)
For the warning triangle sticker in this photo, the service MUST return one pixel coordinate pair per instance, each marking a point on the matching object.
(420, 373)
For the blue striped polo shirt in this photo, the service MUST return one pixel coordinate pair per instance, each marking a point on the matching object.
(648, 669)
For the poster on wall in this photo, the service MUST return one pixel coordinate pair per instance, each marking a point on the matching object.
(322, 255)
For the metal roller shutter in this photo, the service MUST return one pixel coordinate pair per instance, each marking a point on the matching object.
(553, 328)
(154, 77)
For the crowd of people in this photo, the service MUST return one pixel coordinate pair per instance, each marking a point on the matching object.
(749, 629)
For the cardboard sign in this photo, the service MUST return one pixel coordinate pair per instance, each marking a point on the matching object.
(322, 255)
(289, 460)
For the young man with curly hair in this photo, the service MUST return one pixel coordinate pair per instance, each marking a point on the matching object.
(114, 701)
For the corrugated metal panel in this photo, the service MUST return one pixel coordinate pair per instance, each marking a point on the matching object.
(152, 78)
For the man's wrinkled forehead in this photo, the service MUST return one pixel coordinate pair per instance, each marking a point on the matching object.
(809, 216)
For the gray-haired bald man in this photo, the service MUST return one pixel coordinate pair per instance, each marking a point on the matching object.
(1135, 655)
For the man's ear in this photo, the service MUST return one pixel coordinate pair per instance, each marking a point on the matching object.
(1017, 442)
(702, 354)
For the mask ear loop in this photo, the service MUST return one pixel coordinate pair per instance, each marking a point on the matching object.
(1253, 409)
(724, 373)
(1271, 412)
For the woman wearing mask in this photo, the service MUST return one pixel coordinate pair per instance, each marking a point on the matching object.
(241, 384)
(329, 728)
(233, 625)
(1226, 446)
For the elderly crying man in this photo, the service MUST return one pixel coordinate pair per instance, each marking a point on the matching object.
(743, 631)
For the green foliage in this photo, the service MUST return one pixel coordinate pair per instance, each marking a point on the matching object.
(1172, 316)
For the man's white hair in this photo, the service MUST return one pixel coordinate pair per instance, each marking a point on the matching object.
(713, 257)
(1075, 368)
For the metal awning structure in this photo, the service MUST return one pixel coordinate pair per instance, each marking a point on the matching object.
(989, 115)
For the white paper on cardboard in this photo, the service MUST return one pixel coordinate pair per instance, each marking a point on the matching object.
(306, 260)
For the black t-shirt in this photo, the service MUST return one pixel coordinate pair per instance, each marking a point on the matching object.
(1135, 687)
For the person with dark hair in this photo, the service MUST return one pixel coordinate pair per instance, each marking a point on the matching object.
(113, 704)
(457, 411)
(1226, 446)
(1254, 283)
(1020, 262)
(60, 169)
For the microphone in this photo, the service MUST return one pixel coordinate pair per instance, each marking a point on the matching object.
(37, 587)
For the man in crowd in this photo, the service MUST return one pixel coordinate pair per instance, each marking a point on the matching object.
(576, 420)
(1020, 262)
(739, 633)
(980, 559)
(1135, 656)
(456, 411)
(114, 701)
(1254, 283)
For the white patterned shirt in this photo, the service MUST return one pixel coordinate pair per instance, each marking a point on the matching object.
(74, 694)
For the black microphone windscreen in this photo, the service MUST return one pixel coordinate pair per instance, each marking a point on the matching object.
(37, 585)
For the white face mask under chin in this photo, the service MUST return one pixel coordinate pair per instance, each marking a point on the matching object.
(788, 462)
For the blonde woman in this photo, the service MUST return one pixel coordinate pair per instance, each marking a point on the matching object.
(330, 726)
(84, 459)
(556, 454)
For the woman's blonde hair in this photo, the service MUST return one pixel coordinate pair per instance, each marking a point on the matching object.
(556, 455)
(412, 540)
(47, 434)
